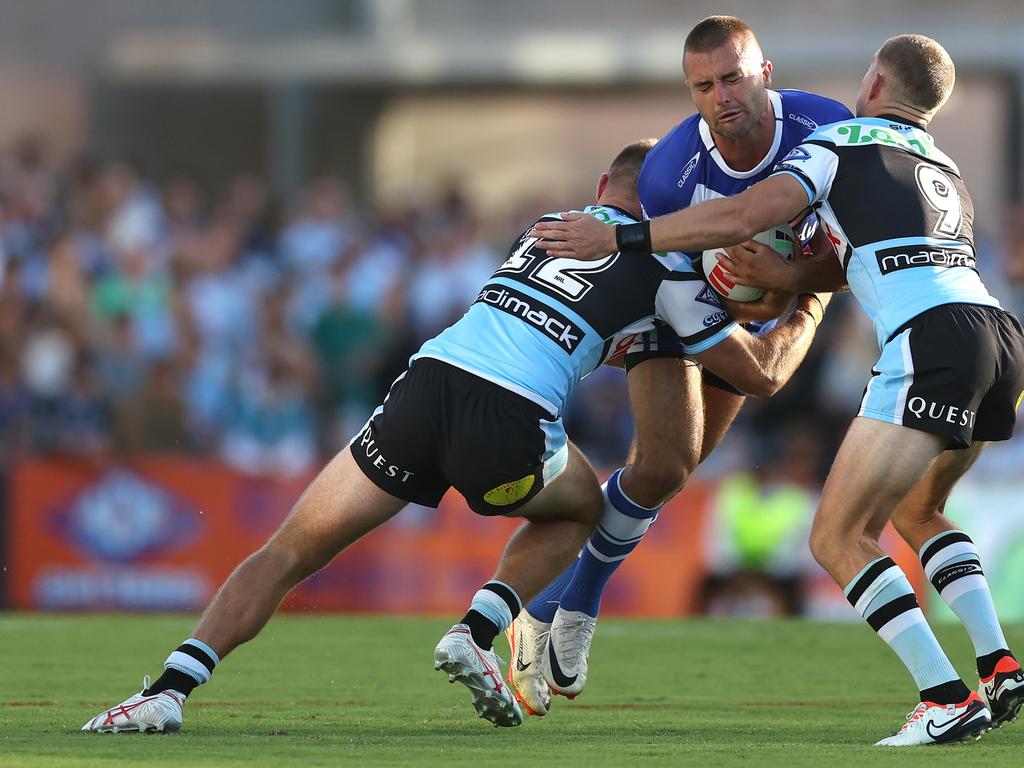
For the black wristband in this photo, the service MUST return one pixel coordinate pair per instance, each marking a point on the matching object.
(808, 313)
(633, 238)
(816, 299)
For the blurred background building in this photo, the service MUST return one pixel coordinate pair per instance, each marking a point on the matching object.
(225, 226)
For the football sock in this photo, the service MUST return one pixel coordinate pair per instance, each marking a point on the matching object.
(189, 665)
(882, 594)
(494, 607)
(543, 606)
(622, 526)
(987, 663)
(952, 564)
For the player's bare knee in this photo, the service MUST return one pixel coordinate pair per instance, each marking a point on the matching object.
(907, 520)
(828, 546)
(654, 480)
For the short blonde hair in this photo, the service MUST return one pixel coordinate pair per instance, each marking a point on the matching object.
(625, 168)
(921, 72)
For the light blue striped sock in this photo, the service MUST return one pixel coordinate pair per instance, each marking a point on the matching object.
(952, 564)
(882, 594)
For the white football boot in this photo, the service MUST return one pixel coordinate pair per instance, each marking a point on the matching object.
(1003, 691)
(942, 724)
(527, 642)
(480, 671)
(565, 661)
(159, 713)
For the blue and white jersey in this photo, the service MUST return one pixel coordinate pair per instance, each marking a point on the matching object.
(540, 324)
(685, 167)
(898, 214)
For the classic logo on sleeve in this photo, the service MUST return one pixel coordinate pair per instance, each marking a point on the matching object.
(805, 121)
(688, 169)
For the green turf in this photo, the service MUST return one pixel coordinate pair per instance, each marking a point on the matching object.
(362, 691)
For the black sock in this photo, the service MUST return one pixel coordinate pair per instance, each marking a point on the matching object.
(987, 663)
(483, 629)
(953, 692)
(174, 680)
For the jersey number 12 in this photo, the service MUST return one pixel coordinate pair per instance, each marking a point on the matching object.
(563, 276)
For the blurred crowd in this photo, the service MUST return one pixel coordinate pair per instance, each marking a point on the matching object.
(144, 315)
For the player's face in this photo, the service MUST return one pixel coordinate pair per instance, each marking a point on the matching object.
(729, 85)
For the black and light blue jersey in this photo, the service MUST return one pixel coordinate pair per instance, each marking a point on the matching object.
(541, 323)
(685, 168)
(898, 213)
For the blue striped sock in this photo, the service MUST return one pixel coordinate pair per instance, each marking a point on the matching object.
(623, 525)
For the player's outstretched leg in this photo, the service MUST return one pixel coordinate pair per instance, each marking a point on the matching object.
(876, 467)
(558, 521)
(953, 565)
(338, 507)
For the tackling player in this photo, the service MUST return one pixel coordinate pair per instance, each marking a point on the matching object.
(949, 379)
(741, 130)
(479, 409)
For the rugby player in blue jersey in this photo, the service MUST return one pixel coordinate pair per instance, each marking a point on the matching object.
(741, 130)
(480, 409)
(949, 379)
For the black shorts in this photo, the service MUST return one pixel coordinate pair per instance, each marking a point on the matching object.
(440, 427)
(956, 370)
(664, 342)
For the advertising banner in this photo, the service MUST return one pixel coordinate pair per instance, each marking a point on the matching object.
(161, 534)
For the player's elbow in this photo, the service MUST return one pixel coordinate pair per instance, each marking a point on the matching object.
(741, 225)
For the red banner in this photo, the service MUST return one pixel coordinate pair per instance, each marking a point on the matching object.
(161, 534)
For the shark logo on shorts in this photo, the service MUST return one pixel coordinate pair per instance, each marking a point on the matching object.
(510, 493)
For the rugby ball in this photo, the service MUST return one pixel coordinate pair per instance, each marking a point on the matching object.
(781, 238)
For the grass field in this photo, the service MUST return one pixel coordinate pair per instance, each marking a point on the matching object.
(332, 691)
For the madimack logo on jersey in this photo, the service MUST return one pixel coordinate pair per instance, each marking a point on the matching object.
(908, 257)
(547, 320)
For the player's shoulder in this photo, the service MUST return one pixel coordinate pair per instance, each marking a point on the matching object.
(668, 172)
(848, 135)
(810, 110)
(683, 140)
(606, 213)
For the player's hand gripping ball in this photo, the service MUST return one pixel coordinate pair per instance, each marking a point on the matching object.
(781, 239)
